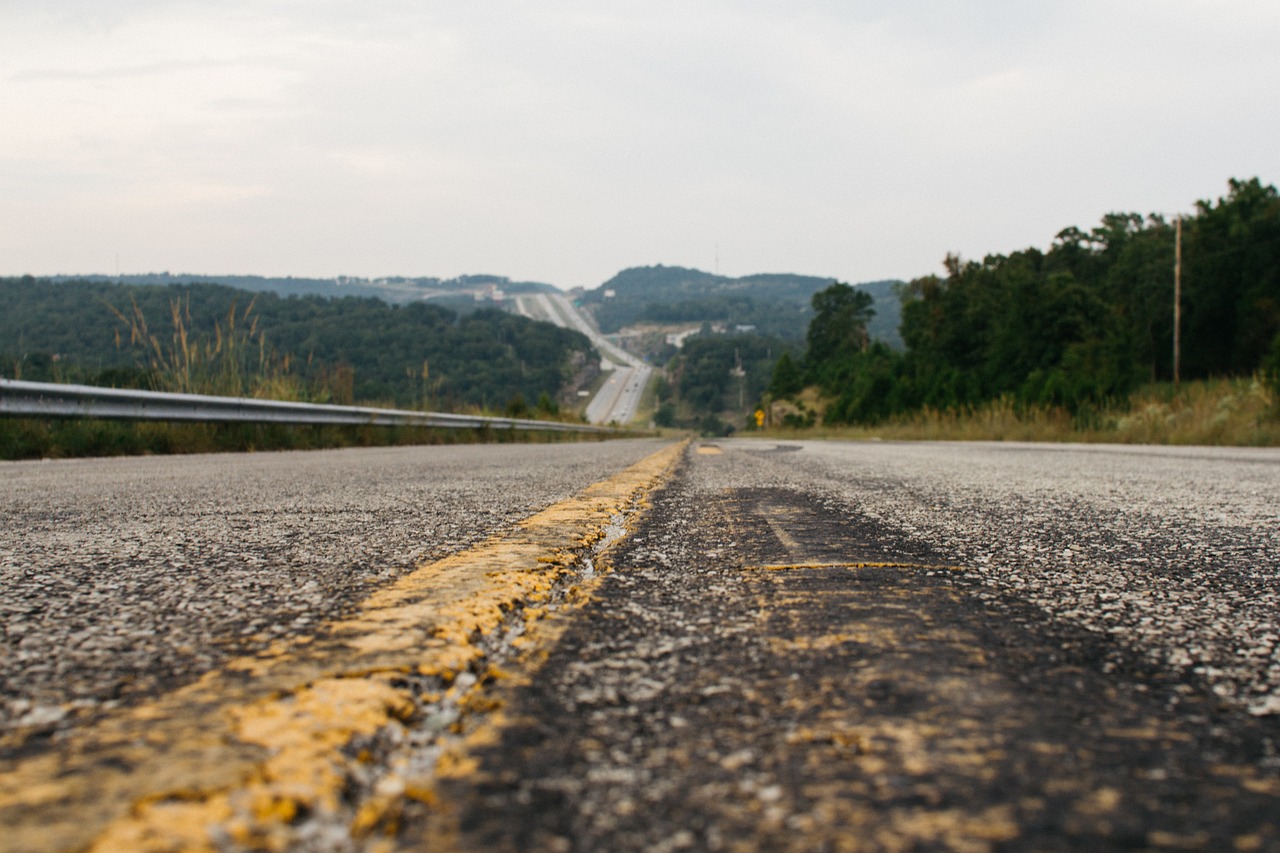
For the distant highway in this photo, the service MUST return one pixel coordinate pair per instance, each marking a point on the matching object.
(618, 399)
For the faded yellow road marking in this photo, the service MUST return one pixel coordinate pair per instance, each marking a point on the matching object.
(793, 548)
(792, 567)
(243, 751)
(709, 450)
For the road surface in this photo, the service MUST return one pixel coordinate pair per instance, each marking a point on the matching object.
(825, 646)
(121, 577)
(798, 645)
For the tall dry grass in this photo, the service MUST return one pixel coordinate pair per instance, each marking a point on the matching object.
(234, 361)
(1238, 412)
(1229, 412)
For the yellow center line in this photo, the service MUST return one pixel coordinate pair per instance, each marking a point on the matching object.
(788, 542)
(793, 567)
(247, 749)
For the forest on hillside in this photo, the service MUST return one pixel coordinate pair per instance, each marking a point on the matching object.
(770, 303)
(716, 380)
(1078, 325)
(345, 350)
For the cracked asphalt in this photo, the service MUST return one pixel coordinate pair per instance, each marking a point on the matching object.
(797, 646)
(829, 646)
(122, 578)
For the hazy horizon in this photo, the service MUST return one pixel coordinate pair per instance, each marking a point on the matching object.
(386, 278)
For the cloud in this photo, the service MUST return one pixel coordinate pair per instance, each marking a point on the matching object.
(117, 72)
(567, 139)
(184, 195)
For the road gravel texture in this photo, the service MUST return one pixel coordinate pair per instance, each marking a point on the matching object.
(1172, 551)
(800, 646)
(121, 578)
(832, 646)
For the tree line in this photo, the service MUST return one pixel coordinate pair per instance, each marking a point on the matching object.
(715, 380)
(349, 349)
(1081, 324)
(772, 304)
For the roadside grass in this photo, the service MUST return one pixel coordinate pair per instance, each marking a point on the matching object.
(648, 405)
(235, 361)
(1227, 412)
(27, 438)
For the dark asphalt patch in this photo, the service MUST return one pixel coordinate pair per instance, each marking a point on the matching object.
(700, 703)
(775, 526)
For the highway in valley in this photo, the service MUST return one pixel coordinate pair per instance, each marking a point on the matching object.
(644, 645)
(618, 398)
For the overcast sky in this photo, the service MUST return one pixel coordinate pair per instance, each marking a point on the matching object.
(564, 140)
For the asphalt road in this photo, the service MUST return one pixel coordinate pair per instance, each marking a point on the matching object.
(121, 578)
(619, 397)
(826, 646)
(797, 645)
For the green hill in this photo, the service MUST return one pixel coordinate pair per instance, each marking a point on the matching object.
(773, 303)
(406, 354)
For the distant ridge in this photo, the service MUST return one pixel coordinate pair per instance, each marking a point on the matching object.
(772, 303)
(397, 290)
(113, 333)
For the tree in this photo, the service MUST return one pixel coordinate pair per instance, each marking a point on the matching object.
(788, 378)
(1231, 280)
(839, 326)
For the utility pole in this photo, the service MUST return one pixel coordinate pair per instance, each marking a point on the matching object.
(741, 374)
(1177, 298)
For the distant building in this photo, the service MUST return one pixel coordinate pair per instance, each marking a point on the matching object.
(489, 293)
(676, 339)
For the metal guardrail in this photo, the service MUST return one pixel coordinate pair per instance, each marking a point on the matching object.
(19, 399)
